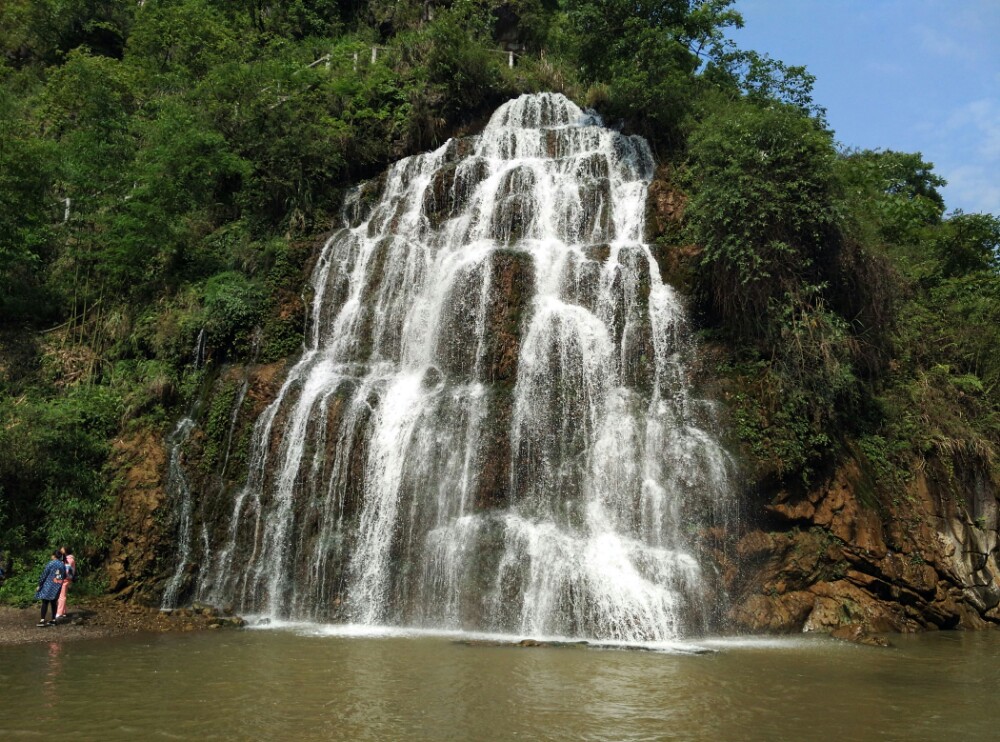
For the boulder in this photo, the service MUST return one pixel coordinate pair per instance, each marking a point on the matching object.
(856, 634)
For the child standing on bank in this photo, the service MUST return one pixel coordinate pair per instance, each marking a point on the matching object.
(70, 575)
(49, 585)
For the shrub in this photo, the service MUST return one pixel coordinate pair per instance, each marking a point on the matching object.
(233, 307)
(762, 208)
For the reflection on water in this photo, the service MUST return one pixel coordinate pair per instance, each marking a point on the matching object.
(263, 685)
(50, 683)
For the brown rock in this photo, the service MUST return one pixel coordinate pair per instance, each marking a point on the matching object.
(969, 618)
(493, 482)
(826, 614)
(512, 280)
(886, 561)
(906, 571)
(139, 461)
(803, 560)
(792, 512)
(117, 575)
(838, 509)
(760, 545)
(772, 613)
(841, 602)
(871, 583)
(665, 204)
(856, 634)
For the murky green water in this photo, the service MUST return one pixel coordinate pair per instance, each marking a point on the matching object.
(288, 685)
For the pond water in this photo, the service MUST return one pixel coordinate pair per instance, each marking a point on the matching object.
(315, 683)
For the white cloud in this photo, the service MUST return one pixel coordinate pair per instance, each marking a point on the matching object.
(886, 68)
(973, 188)
(976, 18)
(966, 151)
(964, 32)
(943, 42)
(979, 122)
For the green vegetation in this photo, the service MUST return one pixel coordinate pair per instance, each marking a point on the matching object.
(165, 168)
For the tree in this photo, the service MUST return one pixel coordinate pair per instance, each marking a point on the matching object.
(968, 243)
(648, 53)
(763, 80)
(181, 40)
(895, 192)
(293, 19)
(762, 209)
(459, 63)
(184, 184)
(27, 209)
(87, 109)
(44, 31)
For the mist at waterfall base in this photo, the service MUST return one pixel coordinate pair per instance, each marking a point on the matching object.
(491, 427)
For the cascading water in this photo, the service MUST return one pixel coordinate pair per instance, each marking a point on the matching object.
(491, 427)
(178, 489)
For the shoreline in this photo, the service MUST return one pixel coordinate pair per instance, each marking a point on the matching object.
(105, 617)
(98, 618)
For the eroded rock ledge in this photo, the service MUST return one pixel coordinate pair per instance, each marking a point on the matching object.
(921, 559)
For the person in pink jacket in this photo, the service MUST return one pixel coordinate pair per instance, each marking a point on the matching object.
(67, 557)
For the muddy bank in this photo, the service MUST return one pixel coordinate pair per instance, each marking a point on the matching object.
(102, 619)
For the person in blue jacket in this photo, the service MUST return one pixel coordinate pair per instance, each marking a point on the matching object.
(49, 585)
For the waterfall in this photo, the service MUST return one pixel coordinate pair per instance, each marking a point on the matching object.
(491, 426)
(199, 350)
(178, 489)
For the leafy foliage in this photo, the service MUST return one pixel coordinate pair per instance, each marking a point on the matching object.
(27, 172)
(837, 283)
(51, 458)
(648, 53)
(762, 210)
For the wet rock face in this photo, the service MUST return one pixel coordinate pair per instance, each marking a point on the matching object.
(512, 282)
(493, 483)
(359, 204)
(142, 549)
(571, 331)
(664, 206)
(514, 213)
(919, 561)
(856, 634)
(141, 460)
(451, 188)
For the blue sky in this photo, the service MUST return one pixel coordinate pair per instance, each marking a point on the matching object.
(910, 75)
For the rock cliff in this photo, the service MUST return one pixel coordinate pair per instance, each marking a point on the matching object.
(923, 557)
